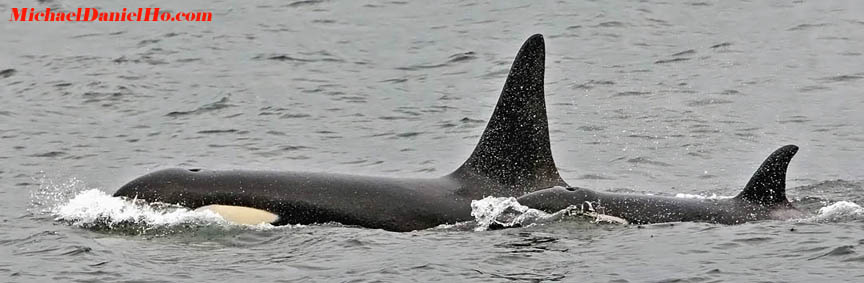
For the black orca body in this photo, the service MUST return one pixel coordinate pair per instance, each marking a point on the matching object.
(512, 158)
(763, 198)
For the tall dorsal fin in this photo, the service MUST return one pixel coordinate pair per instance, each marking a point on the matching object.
(768, 184)
(514, 149)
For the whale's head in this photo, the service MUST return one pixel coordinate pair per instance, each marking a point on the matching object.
(199, 189)
(557, 198)
(167, 186)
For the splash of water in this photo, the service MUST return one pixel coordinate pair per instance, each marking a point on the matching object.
(73, 202)
(504, 212)
(839, 211)
(52, 192)
(692, 196)
(96, 207)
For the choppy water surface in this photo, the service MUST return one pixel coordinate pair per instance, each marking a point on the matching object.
(644, 96)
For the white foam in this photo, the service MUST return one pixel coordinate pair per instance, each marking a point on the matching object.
(70, 200)
(96, 207)
(507, 212)
(692, 196)
(839, 211)
(504, 211)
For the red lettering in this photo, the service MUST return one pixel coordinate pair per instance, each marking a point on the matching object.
(48, 15)
(93, 14)
(146, 14)
(18, 15)
(87, 12)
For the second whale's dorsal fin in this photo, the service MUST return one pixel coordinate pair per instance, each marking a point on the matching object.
(768, 184)
(514, 149)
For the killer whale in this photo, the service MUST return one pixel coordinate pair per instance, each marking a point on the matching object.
(763, 198)
(512, 158)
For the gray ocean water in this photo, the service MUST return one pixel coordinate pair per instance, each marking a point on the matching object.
(671, 98)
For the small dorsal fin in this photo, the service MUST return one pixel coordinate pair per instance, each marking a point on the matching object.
(768, 184)
(514, 149)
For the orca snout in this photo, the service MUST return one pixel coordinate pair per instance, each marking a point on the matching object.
(155, 184)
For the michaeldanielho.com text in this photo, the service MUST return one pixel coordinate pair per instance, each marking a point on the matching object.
(93, 14)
